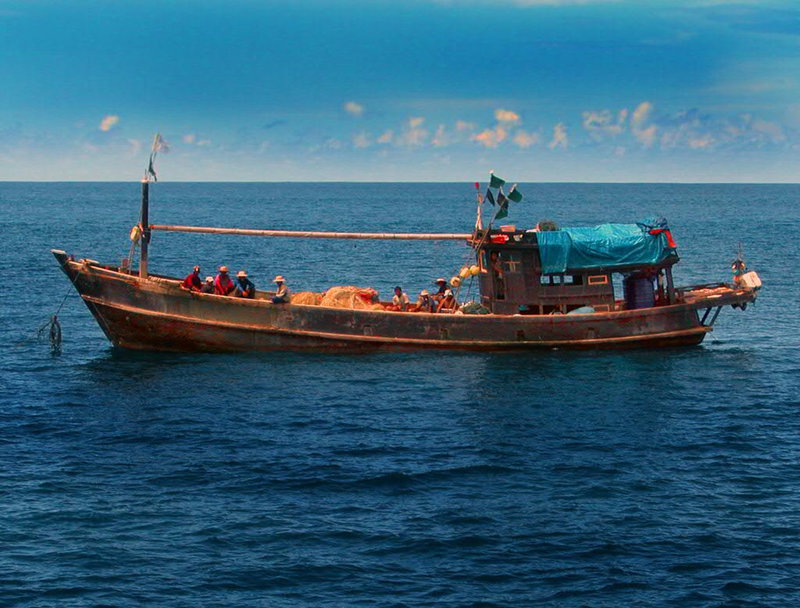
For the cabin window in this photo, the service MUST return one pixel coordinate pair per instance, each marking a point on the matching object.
(512, 261)
(577, 279)
(598, 279)
(557, 279)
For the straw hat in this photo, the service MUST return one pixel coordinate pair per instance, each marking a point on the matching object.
(241, 273)
(440, 280)
(279, 279)
(197, 269)
(223, 269)
(424, 292)
(209, 279)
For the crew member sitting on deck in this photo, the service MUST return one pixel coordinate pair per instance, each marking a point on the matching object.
(282, 293)
(208, 286)
(439, 295)
(425, 302)
(223, 285)
(193, 282)
(400, 299)
(244, 286)
(448, 303)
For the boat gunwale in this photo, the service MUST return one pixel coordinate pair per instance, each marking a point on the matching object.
(172, 285)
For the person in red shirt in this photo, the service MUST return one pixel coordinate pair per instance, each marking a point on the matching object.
(193, 282)
(223, 285)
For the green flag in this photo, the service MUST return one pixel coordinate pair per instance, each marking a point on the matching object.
(489, 197)
(502, 201)
(502, 212)
(514, 194)
(495, 182)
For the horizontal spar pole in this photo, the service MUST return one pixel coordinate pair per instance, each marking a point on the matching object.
(305, 234)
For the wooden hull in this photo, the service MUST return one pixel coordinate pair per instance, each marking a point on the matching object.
(156, 314)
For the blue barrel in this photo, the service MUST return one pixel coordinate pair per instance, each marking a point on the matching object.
(639, 292)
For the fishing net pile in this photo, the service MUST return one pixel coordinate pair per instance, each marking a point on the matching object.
(309, 298)
(349, 296)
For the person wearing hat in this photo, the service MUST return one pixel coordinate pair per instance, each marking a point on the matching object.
(400, 299)
(223, 286)
(448, 303)
(208, 286)
(442, 287)
(282, 293)
(192, 282)
(244, 286)
(425, 302)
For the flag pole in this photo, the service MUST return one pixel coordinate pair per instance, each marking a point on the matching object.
(486, 232)
(479, 218)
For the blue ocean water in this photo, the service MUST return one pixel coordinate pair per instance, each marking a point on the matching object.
(641, 478)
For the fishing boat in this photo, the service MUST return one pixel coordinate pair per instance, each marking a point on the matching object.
(542, 287)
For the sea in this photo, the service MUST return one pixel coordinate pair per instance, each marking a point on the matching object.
(553, 478)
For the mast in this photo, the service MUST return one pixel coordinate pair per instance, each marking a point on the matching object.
(150, 173)
(145, 223)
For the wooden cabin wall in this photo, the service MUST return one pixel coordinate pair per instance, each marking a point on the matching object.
(527, 290)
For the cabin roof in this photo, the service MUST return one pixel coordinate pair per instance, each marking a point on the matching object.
(610, 247)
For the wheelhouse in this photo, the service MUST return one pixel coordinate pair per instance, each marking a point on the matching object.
(514, 279)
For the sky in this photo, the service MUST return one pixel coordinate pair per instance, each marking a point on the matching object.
(411, 90)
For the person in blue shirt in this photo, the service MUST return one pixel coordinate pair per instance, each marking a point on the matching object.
(244, 286)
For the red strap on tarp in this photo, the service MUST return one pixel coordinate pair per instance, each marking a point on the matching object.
(670, 240)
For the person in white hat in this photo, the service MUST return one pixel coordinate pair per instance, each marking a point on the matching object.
(441, 283)
(282, 293)
(223, 286)
(425, 302)
(208, 286)
(244, 286)
(448, 303)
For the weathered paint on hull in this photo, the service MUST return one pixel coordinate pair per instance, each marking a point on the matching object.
(155, 314)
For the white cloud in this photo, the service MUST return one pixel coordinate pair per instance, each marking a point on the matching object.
(506, 116)
(414, 134)
(203, 142)
(441, 137)
(353, 108)
(773, 131)
(603, 123)
(641, 113)
(361, 140)
(386, 137)
(560, 138)
(490, 138)
(136, 146)
(703, 141)
(189, 138)
(109, 122)
(462, 125)
(644, 135)
(525, 139)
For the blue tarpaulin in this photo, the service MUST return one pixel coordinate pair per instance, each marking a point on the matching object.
(605, 246)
